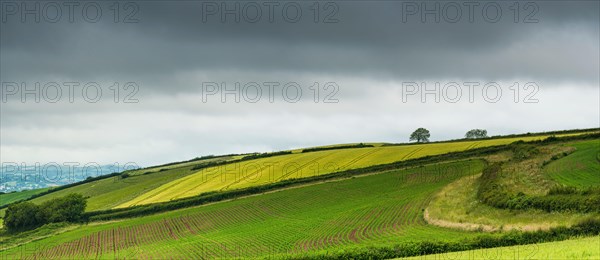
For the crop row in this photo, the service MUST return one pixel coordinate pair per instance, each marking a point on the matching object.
(368, 209)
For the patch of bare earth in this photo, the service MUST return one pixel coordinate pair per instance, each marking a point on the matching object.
(481, 227)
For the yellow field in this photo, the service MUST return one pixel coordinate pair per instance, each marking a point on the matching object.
(297, 165)
(183, 164)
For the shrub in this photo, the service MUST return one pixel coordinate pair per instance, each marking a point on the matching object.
(26, 215)
(564, 190)
(23, 216)
(588, 226)
(523, 151)
(69, 208)
(551, 138)
(264, 155)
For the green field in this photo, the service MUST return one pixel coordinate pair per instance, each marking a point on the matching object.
(580, 249)
(457, 204)
(579, 169)
(433, 202)
(273, 169)
(9, 198)
(377, 209)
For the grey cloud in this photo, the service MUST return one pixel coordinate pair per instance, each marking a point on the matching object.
(369, 53)
(369, 39)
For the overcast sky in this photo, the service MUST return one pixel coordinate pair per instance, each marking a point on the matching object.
(361, 68)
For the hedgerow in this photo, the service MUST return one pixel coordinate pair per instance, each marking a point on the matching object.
(245, 158)
(361, 145)
(495, 194)
(588, 227)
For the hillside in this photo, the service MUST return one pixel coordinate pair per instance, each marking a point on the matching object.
(458, 204)
(299, 165)
(179, 180)
(11, 197)
(438, 199)
(299, 130)
(365, 210)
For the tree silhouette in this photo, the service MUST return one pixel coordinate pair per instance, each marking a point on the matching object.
(421, 135)
(476, 133)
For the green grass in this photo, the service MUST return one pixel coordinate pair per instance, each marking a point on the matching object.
(9, 198)
(457, 206)
(580, 169)
(526, 175)
(581, 248)
(273, 169)
(9, 240)
(378, 209)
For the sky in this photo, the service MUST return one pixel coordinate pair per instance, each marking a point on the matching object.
(162, 81)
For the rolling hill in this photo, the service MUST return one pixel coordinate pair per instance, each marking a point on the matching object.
(179, 180)
(387, 209)
(299, 165)
(365, 210)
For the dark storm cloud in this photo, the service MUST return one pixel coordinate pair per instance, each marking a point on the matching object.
(369, 39)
